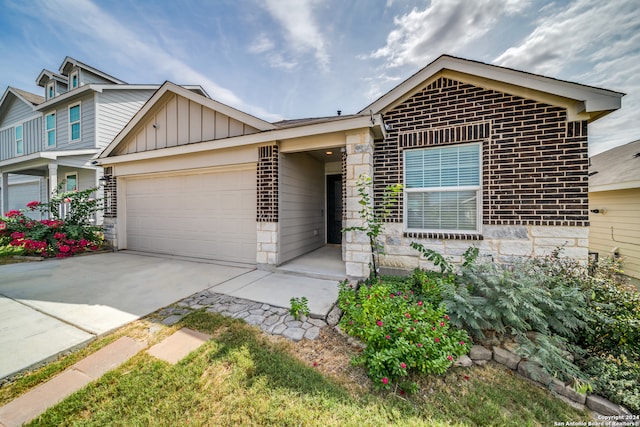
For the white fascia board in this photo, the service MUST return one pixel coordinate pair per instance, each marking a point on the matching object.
(65, 97)
(595, 99)
(238, 141)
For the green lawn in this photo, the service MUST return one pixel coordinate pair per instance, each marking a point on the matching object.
(242, 377)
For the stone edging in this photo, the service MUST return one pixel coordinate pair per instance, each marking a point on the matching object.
(480, 355)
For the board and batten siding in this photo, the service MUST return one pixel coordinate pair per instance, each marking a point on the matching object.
(31, 134)
(622, 217)
(114, 109)
(180, 121)
(302, 220)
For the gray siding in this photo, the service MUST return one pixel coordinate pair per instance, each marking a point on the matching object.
(87, 77)
(115, 108)
(31, 133)
(87, 125)
(301, 205)
(17, 112)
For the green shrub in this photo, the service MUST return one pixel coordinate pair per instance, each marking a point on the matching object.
(616, 378)
(615, 329)
(402, 333)
(529, 301)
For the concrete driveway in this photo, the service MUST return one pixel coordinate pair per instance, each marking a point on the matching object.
(53, 306)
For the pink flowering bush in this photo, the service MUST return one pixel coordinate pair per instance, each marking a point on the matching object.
(62, 235)
(402, 333)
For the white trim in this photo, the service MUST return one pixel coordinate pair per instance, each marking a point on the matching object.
(51, 84)
(476, 188)
(75, 73)
(79, 122)
(55, 130)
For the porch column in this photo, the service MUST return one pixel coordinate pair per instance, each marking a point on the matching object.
(4, 193)
(359, 162)
(53, 179)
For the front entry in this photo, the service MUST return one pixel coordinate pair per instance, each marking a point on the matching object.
(334, 209)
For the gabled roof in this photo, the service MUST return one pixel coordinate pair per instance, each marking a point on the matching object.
(616, 169)
(69, 63)
(46, 75)
(593, 101)
(27, 97)
(168, 87)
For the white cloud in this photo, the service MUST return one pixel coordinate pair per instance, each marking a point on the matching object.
(262, 44)
(445, 26)
(301, 30)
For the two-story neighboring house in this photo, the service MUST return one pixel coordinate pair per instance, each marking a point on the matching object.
(52, 140)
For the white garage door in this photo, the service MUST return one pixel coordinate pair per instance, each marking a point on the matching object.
(205, 215)
(23, 193)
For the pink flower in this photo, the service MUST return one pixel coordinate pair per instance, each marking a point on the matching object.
(437, 339)
(420, 303)
(385, 380)
(391, 296)
(33, 205)
(388, 337)
(59, 236)
(379, 323)
(461, 342)
(450, 358)
(447, 317)
(442, 324)
(17, 235)
(12, 214)
(64, 248)
(407, 315)
(419, 345)
(403, 365)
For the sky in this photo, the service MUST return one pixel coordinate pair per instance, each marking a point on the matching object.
(287, 59)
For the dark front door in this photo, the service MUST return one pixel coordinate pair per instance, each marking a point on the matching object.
(334, 209)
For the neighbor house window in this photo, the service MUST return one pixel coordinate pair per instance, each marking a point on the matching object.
(50, 90)
(74, 123)
(50, 127)
(19, 140)
(74, 79)
(442, 189)
(71, 182)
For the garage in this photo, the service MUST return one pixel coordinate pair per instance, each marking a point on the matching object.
(22, 193)
(210, 214)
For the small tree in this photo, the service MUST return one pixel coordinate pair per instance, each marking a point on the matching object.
(373, 217)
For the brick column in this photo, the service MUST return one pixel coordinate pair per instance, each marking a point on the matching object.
(267, 227)
(359, 162)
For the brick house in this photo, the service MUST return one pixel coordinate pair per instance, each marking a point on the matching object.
(488, 156)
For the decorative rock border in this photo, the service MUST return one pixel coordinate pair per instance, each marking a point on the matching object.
(272, 320)
(480, 355)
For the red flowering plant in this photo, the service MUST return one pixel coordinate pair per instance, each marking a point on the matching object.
(403, 333)
(68, 232)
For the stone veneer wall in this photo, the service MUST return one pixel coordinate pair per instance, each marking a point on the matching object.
(359, 161)
(534, 171)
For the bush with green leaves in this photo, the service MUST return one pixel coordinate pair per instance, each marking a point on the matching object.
(402, 333)
(527, 301)
(616, 378)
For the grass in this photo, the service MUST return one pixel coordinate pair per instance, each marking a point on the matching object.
(243, 377)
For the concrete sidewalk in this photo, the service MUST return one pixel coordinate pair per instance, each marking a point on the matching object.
(47, 308)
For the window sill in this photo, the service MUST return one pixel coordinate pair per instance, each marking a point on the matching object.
(443, 236)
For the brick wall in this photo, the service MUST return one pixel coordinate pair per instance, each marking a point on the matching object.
(267, 191)
(535, 162)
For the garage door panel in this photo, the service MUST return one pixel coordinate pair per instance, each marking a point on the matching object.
(208, 215)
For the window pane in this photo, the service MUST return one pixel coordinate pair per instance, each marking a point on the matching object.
(442, 210)
(19, 147)
(74, 114)
(443, 167)
(51, 121)
(72, 182)
(51, 138)
(75, 131)
(18, 133)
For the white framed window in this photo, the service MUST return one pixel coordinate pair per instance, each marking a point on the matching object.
(50, 129)
(74, 79)
(442, 191)
(71, 181)
(51, 89)
(19, 140)
(74, 123)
